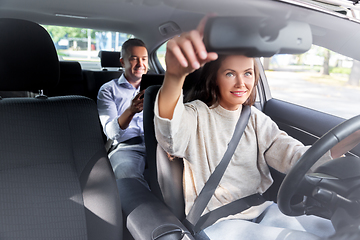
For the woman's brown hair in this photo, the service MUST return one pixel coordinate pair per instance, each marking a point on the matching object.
(206, 88)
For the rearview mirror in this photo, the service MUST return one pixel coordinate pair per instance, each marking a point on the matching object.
(256, 36)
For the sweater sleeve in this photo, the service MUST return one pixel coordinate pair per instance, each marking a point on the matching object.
(174, 135)
(280, 150)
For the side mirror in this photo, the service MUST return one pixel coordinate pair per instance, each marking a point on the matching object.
(256, 36)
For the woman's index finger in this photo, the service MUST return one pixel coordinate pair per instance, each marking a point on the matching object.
(202, 23)
(200, 28)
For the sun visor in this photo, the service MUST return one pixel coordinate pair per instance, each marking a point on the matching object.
(256, 36)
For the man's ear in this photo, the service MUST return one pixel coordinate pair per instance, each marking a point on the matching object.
(122, 62)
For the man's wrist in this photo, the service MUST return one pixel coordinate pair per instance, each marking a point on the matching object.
(119, 122)
(125, 118)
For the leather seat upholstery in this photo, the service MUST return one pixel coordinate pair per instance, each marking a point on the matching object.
(55, 178)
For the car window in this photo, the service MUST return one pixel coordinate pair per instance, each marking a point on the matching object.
(319, 79)
(83, 45)
(160, 54)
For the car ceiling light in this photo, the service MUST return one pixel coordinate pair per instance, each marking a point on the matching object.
(70, 16)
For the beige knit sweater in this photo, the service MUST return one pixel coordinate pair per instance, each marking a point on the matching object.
(200, 135)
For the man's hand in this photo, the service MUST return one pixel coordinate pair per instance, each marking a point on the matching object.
(137, 105)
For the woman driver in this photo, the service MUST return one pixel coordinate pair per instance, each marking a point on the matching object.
(199, 130)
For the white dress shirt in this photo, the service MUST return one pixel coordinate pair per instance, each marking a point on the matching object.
(113, 99)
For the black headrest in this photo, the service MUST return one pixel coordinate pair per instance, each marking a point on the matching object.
(110, 59)
(70, 70)
(28, 58)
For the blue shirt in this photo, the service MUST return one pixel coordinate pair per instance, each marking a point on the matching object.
(113, 99)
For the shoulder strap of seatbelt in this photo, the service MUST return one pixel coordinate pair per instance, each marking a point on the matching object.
(208, 190)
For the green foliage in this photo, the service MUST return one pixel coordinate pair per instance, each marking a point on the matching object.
(341, 70)
(60, 53)
(58, 32)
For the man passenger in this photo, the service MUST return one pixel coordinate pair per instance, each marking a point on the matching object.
(120, 105)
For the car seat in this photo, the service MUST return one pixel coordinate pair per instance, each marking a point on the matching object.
(95, 79)
(110, 59)
(156, 214)
(165, 176)
(55, 178)
(71, 81)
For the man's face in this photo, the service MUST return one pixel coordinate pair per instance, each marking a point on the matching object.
(135, 63)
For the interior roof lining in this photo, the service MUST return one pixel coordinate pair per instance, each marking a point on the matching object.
(177, 9)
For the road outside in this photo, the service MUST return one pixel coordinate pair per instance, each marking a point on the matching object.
(309, 90)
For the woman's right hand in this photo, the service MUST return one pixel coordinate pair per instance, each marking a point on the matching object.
(187, 52)
(184, 54)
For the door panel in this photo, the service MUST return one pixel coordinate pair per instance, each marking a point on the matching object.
(302, 123)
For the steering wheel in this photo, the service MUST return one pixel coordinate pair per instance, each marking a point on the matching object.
(293, 179)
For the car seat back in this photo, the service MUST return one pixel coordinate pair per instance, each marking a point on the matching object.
(95, 79)
(165, 172)
(71, 81)
(55, 178)
(165, 175)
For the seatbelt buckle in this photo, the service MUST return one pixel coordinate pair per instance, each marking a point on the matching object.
(190, 227)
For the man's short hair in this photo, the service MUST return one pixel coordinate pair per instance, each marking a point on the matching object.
(132, 42)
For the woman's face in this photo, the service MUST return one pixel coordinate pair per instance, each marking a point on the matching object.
(235, 80)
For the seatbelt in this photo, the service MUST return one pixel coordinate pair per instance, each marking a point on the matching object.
(108, 145)
(192, 219)
(234, 207)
